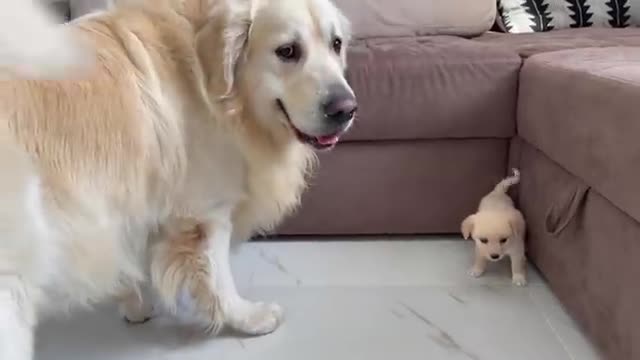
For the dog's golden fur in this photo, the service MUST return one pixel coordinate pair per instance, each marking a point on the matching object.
(162, 153)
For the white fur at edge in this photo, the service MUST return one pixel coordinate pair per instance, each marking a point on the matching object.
(32, 45)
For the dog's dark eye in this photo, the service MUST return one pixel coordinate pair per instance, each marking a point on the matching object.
(337, 45)
(503, 241)
(289, 52)
(484, 241)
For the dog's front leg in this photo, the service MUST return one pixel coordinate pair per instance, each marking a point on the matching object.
(17, 320)
(253, 318)
(135, 307)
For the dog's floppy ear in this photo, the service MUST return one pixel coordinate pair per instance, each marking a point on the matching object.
(347, 33)
(221, 42)
(467, 226)
(236, 36)
(517, 224)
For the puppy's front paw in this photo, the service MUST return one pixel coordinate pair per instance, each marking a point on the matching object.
(257, 318)
(474, 272)
(519, 280)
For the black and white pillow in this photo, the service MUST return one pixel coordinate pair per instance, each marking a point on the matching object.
(521, 16)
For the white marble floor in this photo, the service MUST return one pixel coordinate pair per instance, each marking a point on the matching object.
(351, 300)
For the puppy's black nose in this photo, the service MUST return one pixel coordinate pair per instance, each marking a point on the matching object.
(495, 256)
(340, 107)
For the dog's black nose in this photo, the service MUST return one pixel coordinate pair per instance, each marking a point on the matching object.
(495, 256)
(340, 107)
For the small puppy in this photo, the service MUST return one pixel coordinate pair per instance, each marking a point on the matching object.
(498, 229)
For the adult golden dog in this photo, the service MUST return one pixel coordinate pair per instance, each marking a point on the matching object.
(194, 129)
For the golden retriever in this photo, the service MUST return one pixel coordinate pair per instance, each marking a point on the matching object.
(498, 229)
(194, 129)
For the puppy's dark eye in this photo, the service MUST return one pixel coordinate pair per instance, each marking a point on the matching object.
(503, 241)
(289, 52)
(337, 45)
(484, 241)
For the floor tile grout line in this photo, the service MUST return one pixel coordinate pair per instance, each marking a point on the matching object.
(553, 329)
(386, 286)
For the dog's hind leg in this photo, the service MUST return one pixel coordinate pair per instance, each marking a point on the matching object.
(21, 224)
(17, 320)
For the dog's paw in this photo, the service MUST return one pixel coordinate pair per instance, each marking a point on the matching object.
(136, 313)
(258, 318)
(519, 280)
(473, 272)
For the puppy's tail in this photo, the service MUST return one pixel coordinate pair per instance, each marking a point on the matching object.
(504, 185)
(33, 46)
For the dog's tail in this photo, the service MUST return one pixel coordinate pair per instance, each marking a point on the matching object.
(504, 185)
(33, 46)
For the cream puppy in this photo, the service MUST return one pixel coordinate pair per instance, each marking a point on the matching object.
(498, 229)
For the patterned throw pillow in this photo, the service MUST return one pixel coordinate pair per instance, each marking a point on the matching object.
(521, 16)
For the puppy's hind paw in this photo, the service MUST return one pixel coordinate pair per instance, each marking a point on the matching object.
(519, 280)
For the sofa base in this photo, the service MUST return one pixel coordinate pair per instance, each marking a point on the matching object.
(398, 187)
(586, 248)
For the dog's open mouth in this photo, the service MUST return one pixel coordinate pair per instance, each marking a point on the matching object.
(323, 142)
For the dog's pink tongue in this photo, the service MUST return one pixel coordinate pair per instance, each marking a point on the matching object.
(328, 140)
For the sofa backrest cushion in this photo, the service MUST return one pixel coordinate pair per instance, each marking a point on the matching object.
(58, 8)
(84, 7)
(387, 18)
(523, 16)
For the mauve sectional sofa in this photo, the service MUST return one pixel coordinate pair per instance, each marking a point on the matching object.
(443, 118)
(447, 107)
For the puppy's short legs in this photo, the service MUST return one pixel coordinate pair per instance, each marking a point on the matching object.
(519, 269)
(242, 315)
(135, 308)
(17, 320)
(479, 265)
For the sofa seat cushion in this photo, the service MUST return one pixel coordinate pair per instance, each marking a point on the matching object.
(580, 108)
(530, 44)
(432, 87)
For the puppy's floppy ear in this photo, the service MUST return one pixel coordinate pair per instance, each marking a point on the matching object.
(467, 226)
(517, 224)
